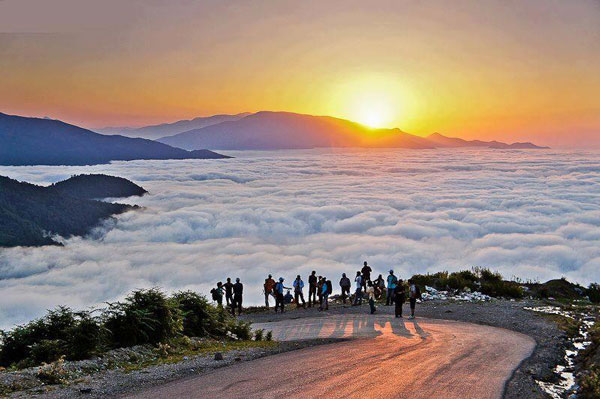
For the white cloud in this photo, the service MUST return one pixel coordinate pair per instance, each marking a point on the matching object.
(530, 214)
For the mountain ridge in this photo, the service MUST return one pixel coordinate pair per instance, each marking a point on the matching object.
(42, 141)
(271, 130)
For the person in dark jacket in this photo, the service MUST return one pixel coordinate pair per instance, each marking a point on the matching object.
(279, 298)
(312, 288)
(298, 295)
(320, 283)
(399, 297)
(228, 291)
(325, 291)
(238, 291)
(414, 293)
(345, 286)
(366, 275)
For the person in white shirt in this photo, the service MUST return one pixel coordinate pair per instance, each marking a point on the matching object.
(358, 293)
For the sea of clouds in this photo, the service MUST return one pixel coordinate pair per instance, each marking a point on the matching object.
(531, 214)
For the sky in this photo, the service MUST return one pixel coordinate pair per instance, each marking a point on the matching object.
(530, 214)
(489, 69)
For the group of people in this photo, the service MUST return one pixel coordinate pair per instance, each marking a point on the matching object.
(320, 289)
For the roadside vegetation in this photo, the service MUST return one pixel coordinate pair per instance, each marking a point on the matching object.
(145, 317)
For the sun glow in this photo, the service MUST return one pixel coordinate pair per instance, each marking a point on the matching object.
(374, 113)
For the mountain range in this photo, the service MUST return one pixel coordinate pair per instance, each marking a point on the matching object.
(167, 129)
(36, 141)
(285, 130)
(30, 215)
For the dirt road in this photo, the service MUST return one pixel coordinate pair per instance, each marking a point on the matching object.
(390, 358)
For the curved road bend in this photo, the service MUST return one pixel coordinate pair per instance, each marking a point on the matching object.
(391, 358)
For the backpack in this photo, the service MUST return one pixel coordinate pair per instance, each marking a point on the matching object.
(329, 287)
(215, 296)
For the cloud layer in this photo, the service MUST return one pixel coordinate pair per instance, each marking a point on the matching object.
(529, 214)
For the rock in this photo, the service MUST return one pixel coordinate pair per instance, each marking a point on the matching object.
(237, 359)
(85, 390)
(218, 356)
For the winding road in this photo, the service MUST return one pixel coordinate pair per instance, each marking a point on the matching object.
(389, 358)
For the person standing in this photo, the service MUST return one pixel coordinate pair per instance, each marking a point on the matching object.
(238, 291)
(345, 286)
(279, 300)
(325, 291)
(379, 286)
(391, 281)
(414, 293)
(399, 298)
(320, 291)
(298, 286)
(366, 274)
(358, 293)
(217, 294)
(268, 288)
(228, 291)
(312, 288)
(371, 294)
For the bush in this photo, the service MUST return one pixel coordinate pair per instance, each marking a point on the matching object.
(438, 280)
(200, 317)
(241, 330)
(53, 373)
(487, 276)
(269, 336)
(593, 292)
(60, 333)
(145, 317)
(507, 289)
(258, 335)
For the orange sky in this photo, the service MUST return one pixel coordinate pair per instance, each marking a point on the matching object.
(511, 70)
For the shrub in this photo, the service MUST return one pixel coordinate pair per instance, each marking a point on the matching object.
(488, 276)
(507, 289)
(60, 332)
(145, 317)
(53, 373)
(200, 317)
(241, 330)
(593, 292)
(438, 280)
(269, 336)
(258, 334)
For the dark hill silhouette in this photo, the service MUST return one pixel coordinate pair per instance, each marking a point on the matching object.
(30, 214)
(35, 141)
(454, 142)
(285, 130)
(168, 129)
(98, 186)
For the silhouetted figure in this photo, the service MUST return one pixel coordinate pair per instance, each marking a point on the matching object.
(371, 294)
(358, 292)
(217, 294)
(399, 297)
(268, 288)
(414, 293)
(326, 288)
(238, 291)
(312, 288)
(298, 286)
(391, 282)
(228, 291)
(345, 286)
(288, 298)
(366, 274)
(379, 285)
(279, 299)
(320, 290)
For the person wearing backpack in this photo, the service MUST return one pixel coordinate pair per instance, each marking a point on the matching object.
(279, 298)
(217, 294)
(391, 281)
(345, 286)
(414, 293)
(325, 290)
